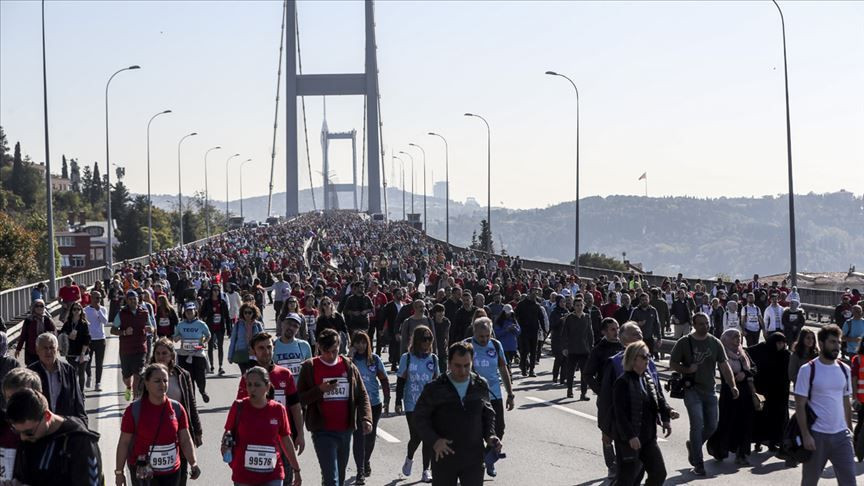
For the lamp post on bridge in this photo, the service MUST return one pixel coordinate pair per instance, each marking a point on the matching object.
(488, 175)
(578, 132)
(149, 201)
(446, 185)
(180, 184)
(207, 191)
(412, 178)
(241, 185)
(109, 260)
(793, 260)
(402, 166)
(227, 162)
(425, 228)
(52, 263)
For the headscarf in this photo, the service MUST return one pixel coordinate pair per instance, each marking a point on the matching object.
(738, 359)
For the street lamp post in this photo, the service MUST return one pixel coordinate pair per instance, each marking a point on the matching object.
(109, 257)
(180, 184)
(488, 175)
(424, 183)
(446, 185)
(793, 260)
(578, 132)
(227, 162)
(241, 185)
(207, 191)
(412, 178)
(52, 263)
(402, 166)
(149, 201)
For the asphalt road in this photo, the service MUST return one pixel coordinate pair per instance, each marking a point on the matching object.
(549, 439)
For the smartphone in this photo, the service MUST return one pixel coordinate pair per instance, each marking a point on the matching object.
(332, 382)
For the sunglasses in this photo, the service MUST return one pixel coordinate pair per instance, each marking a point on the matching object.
(39, 306)
(29, 432)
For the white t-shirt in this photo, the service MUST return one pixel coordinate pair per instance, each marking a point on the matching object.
(830, 387)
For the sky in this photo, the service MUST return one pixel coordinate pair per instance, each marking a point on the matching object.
(690, 92)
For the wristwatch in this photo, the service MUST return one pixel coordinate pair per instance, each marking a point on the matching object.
(118, 472)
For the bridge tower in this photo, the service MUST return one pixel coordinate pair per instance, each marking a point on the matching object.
(356, 84)
(331, 189)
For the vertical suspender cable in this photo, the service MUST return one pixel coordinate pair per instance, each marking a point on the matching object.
(303, 105)
(276, 116)
(363, 165)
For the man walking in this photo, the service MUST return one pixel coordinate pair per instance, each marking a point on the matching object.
(824, 384)
(454, 414)
(578, 339)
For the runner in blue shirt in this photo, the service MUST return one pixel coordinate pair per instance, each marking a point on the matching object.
(417, 367)
(490, 363)
(193, 335)
(372, 371)
(289, 351)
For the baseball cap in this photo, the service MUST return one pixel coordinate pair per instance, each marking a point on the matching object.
(507, 308)
(190, 305)
(131, 293)
(293, 316)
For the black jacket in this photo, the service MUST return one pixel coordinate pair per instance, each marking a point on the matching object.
(600, 354)
(637, 407)
(70, 402)
(68, 457)
(469, 423)
(577, 337)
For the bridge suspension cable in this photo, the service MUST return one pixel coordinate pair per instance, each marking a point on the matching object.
(303, 105)
(276, 115)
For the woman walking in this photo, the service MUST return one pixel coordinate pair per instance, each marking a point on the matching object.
(735, 425)
(417, 367)
(239, 348)
(193, 335)
(373, 373)
(77, 330)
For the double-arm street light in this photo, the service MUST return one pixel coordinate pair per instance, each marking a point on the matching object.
(424, 183)
(207, 190)
(110, 250)
(227, 178)
(488, 175)
(446, 185)
(241, 184)
(149, 201)
(180, 184)
(793, 259)
(578, 132)
(412, 177)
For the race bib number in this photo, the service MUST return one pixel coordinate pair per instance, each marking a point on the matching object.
(793, 317)
(7, 463)
(293, 365)
(217, 318)
(279, 396)
(163, 457)
(260, 459)
(340, 391)
(164, 322)
(189, 344)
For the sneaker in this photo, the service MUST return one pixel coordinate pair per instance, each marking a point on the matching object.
(212, 370)
(406, 467)
(128, 394)
(98, 387)
(221, 372)
(360, 479)
(699, 470)
(490, 470)
(427, 476)
(205, 397)
(531, 374)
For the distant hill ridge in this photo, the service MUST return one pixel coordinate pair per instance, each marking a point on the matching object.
(706, 237)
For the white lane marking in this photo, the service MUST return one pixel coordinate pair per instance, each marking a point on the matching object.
(574, 412)
(389, 438)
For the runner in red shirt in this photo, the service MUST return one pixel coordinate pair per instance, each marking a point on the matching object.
(257, 434)
(153, 431)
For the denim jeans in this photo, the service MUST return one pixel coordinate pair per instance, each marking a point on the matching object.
(333, 450)
(704, 412)
(836, 447)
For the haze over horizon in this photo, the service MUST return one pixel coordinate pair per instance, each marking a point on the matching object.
(689, 92)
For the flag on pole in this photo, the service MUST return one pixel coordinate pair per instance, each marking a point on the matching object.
(643, 176)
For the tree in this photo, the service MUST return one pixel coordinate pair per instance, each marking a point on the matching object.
(38, 224)
(600, 260)
(75, 176)
(64, 171)
(96, 192)
(474, 244)
(485, 239)
(25, 180)
(17, 252)
(5, 159)
(87, 183)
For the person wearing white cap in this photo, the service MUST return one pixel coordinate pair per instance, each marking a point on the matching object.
(35, 324)
(193, 335)
(289, 351)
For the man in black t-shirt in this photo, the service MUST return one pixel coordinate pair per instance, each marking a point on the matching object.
(358, 307)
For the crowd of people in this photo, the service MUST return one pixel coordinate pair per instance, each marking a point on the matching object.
(458, 326)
